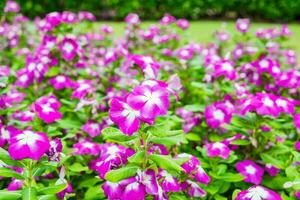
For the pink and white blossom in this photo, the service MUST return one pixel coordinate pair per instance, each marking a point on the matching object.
(28, 144)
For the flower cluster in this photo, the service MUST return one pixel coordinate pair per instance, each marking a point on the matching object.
(150, 114)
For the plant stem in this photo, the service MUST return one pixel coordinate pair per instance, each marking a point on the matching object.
(29, 178)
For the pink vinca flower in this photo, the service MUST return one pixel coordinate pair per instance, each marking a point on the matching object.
(68, 48)
(285, 105)
(193, 189)
(86, 148)
(132, 19)
(201, 176)
(82, 88)
(112, 190)
(258, 193)
(111, 156)
(225, 68)
(190, 165)
(47, 109)
(4, 135)
(150, 101)
(183, 24)
(216, 115)
(92, 128)
(252, 172)
(185, 53)
(242, 25)
(272, 170)
(12, 6)
(297, 146)
(24, 116)
(148, 65)
(15, 184)
(124, 115)
(60, 82)
(297, 121)
(148, 179)
(134, 190)
(217, 149)
(266, 105)
(28, 144)
(193, 168)
(168, 182)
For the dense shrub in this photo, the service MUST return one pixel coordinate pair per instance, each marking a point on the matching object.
(274, 10)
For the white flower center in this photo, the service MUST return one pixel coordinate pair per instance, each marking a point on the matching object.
(219, 115)
(227, 66)
(112, 150)
(264, 64)
(60, 79)
(257, 193)
(46, 108)
(132, 186)
(281, 103)
(24, 78)
(28, 138)
(68, 47)
(88, 145)
(250, 169)
(218, 145)
(243, 26)
(268, 102)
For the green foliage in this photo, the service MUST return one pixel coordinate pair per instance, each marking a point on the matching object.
(6, 172)
(10, 195)
(275, 10)
(53, 189)
(120, 174)
(165, 162)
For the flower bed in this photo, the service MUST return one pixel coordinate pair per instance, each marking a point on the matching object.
(149, 115)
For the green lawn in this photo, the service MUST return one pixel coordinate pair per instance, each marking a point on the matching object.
(201, 31)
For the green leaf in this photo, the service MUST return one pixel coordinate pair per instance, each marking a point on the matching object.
(195, 107)
(165, 162)
(279, 149)
(53, 71)
(77, 167)
(235, 193)
(137, 158)
(276, 182)
(291, 171)
(94, 193)
(270, 159)
(219, 197)
(53, 189)
(169, 141)
(10, 195)
(48, 197)
(228, 177)
(69, 124)
(178, 196)
(5, 157)
(120, 174)
(193, 137)
(240, 142)
(6, 172)
(29, 194)
(180, 161)
(163, 130)
(88, 182)
(3, 81)
(114, 134)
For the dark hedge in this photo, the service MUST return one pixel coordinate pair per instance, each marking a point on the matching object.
(269, 10)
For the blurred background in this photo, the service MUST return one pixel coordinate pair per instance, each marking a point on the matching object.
(116, 10)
